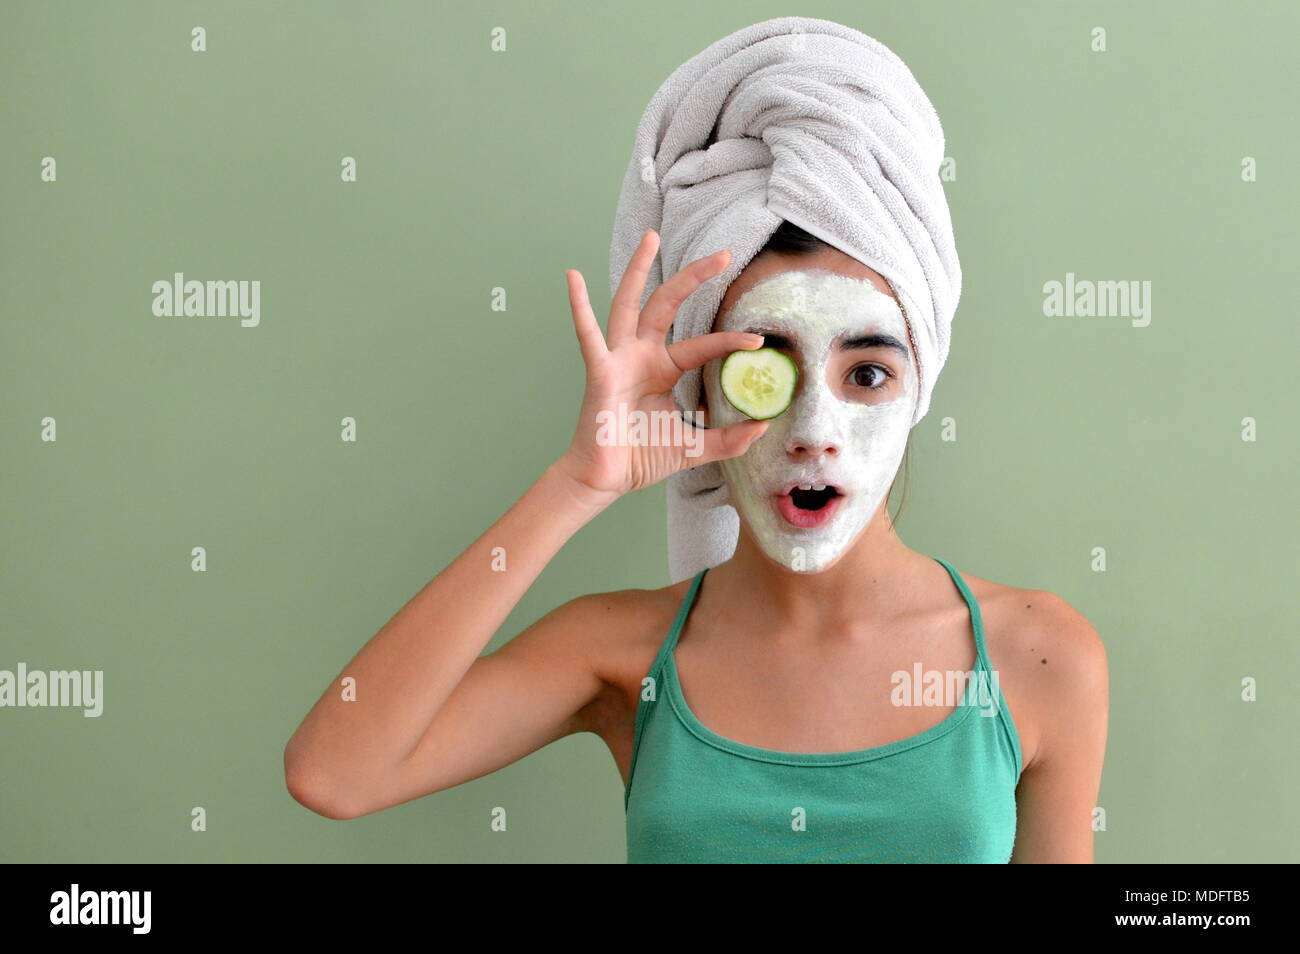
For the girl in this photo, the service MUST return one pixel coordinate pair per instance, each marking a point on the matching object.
(754, 715)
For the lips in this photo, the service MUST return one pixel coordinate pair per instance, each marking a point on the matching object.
(810, 504)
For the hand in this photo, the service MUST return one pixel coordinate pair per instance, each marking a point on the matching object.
(636, 370)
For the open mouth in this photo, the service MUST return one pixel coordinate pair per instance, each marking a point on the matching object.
(812, 499)
(809, 505)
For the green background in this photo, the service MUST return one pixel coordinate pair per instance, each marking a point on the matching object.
(480, 170)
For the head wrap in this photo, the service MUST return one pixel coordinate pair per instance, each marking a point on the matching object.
(795, 119)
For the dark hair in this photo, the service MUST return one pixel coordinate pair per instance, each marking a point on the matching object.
(789, 239)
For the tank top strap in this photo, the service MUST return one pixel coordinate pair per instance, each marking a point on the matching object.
(654, 677)
(982, 663)
(682, 611)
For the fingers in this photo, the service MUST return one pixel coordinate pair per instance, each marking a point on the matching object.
(661, 308)
(700, 349)
(590, 340)
(726, 442)
(626, 306)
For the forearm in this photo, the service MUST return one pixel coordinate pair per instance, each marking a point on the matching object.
(407, 670)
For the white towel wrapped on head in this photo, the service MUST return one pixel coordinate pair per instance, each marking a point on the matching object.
(795, 119)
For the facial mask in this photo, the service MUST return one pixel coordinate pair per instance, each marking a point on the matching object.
(833, 434)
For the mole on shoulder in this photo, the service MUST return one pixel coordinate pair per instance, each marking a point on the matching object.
(1044, 662)
(1027, 605)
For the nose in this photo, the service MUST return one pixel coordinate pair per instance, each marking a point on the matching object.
(812, 431)
(812, 448)
(814, 422)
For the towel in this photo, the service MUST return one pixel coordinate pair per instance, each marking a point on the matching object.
(796, 119)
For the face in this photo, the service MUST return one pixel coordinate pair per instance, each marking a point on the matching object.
(843, 437)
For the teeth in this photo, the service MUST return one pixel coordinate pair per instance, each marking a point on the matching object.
(805, 486)
(819, 486)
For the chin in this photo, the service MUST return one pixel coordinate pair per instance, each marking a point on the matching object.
(802, 555)
(810, 568)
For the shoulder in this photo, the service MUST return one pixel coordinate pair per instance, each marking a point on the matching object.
(624, 615)
(617, 632)
(1042, 626)
(614, 637)
(1054, 656)
(599, 646)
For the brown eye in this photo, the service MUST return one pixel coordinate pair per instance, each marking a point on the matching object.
(871, 376)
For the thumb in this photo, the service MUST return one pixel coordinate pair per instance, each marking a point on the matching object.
(727, 442)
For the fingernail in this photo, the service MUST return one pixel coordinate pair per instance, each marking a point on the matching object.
(757, 339)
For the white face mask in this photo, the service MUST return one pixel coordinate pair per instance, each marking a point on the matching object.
(832, 434)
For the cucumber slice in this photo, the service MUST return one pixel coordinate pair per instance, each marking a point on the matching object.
(759, 383)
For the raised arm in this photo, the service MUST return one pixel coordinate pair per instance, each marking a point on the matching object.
(429, 711)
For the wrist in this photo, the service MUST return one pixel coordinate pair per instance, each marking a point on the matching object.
(586, 497)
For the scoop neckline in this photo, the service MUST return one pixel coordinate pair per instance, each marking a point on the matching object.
(677, 697)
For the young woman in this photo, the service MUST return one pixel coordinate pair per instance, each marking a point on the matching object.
(754, 710)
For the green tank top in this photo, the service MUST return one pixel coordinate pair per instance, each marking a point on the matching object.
(945, 795)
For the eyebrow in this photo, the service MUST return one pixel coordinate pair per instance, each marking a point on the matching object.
(772, 339)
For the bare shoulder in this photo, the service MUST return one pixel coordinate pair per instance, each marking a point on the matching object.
(630, 617)
(1039, 624)
(1053, 658)
(616, 634)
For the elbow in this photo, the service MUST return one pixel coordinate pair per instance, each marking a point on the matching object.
(315, 791)
(318, 799)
